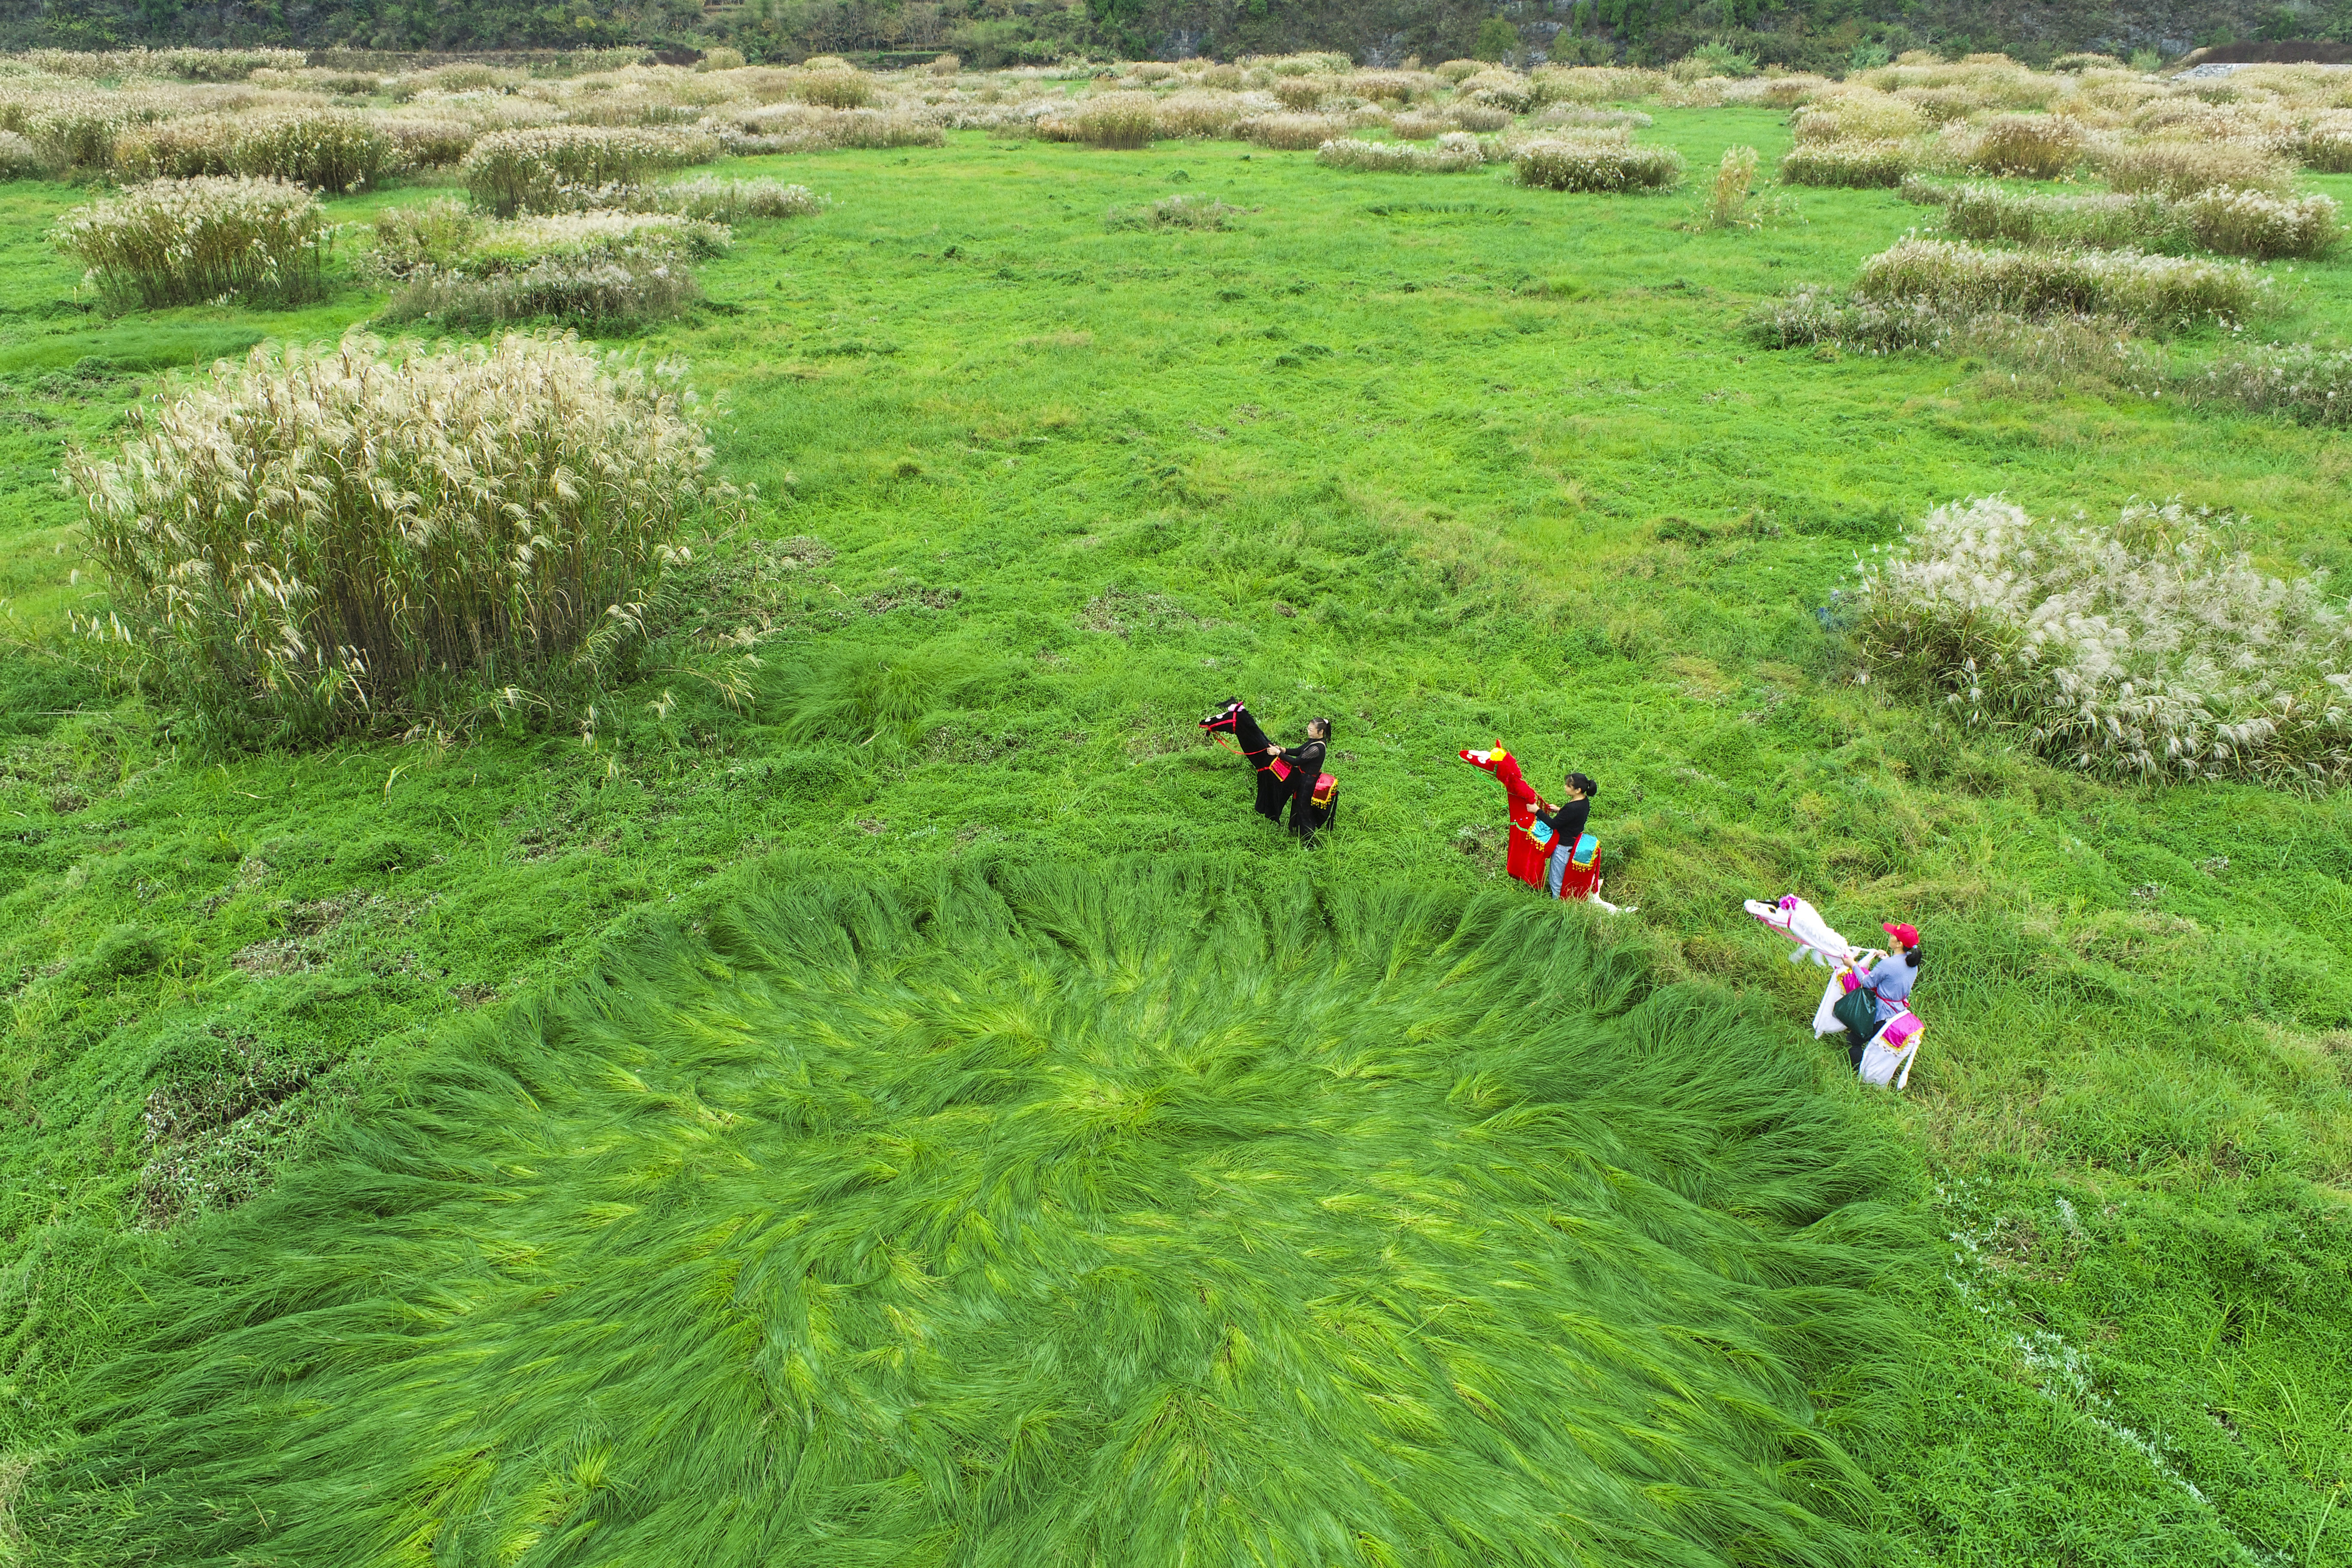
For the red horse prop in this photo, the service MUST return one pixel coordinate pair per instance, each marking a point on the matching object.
(1526, 857)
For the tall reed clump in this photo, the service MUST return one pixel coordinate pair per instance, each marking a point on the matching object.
(2027, 146)
(602, 269)
(1859, 164)
(2184, 168)
(733, 201)
(2301, 382)
(2154, 291)
(1728, 193)
(1056, 1213)
(176, 242)
(1128, 120)
(1456, 153)
(2229, 223)
(2149, 650)
(558, 168)
(329, 539)
(1596, 162)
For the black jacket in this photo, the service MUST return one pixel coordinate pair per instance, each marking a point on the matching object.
(1567, 824)
(1306, 765)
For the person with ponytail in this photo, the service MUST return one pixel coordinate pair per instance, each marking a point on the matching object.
(1310, 793)
(1574, 871)
(1882, 994)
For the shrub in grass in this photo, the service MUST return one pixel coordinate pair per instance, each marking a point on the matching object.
(2027, 146)
(2146, 649)
(601, 293)
(1126, 119)
(2258, 224)
(1195, 113)
(523, 242)
(2152, 290)
(331, 538)
(333, 151)
(2229, 223)
(1174, 212)
(560, 167)
(1726, 197)
(859, 695)
(872, 128)
(18, 158)
(2308, 384)
(1456, 153)
(1003, 1218)
(1858, 117)
(835, 89)
(2183, 168)
(175, 242)
(180, 148)
(420, 141)
(1596, 164)
(2324, 143)
(733, 201)
(1864, 165)
(2108, 220)
(1576, 117)
(431, 234)
(1290, 132)
(1479, 116)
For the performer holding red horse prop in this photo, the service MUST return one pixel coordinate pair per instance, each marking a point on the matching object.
(1525, 858)
(1549, 849)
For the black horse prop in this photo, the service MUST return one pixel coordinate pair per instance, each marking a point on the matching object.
(1273, 789)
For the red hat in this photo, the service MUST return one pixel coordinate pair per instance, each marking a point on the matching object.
(1908, 936)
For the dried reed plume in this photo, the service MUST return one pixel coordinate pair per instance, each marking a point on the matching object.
(2146, 650)
(1856, 164)
(336, 536)
(175, 242)
(2152, 290)
(1596, 162)
(557, 168)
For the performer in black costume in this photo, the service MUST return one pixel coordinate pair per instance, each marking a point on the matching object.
(1306, 761)
(1274, 791)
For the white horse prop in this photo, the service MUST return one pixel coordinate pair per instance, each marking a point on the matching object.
(1886, 1060)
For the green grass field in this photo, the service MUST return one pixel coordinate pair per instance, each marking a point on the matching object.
(1444, 459)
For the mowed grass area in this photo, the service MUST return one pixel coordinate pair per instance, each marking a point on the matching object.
(1441, 457)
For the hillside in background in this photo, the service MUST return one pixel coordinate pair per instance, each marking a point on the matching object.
(1816, 34)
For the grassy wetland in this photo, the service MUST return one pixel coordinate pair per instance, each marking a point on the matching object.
(845, 1034)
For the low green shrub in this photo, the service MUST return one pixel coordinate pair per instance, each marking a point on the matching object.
(332, 538)
(2176, 168)
(175, 242)
(430, 234)
(1597, 163)
(2308, 384)
(2151, 290)
(733, 201)
(2261, 225)
(1290, 132)
(598, 292)
(1126, 119)
(2147, 649)
(2229, 223)
(835, 89)
(1862, 164)
(1174, 212)
(19, 160)
(2027, 146)
(2106, 221)
(1456, 152)
(560, 168)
